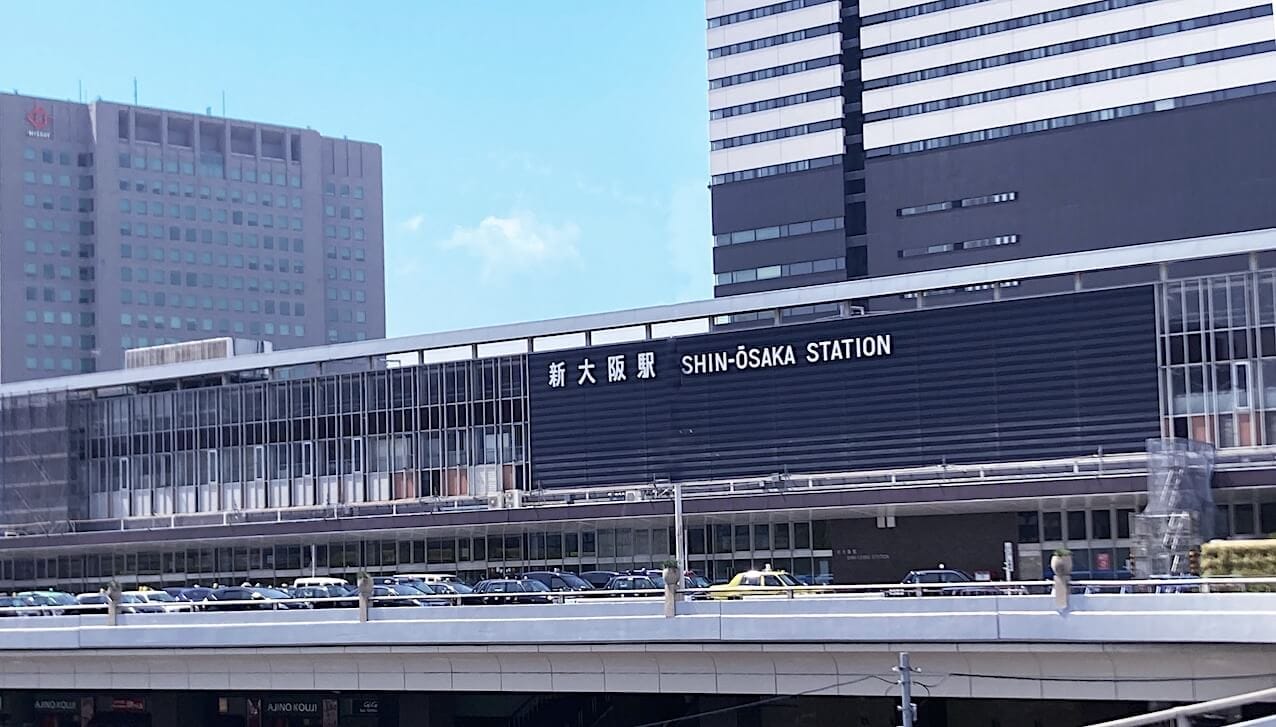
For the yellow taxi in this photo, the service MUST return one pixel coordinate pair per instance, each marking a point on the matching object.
(765, 582)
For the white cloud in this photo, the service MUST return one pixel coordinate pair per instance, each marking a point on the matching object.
(413, 223)
(515, 242)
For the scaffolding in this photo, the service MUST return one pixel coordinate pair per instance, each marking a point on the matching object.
(37, 474)
(1180, 511)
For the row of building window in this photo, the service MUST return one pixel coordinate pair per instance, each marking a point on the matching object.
(219, 237)
(771, 272)
(346, 295)
(786, 314)
(777, 231)
(175, 255)
(764, 73)
(774, 134)
(357, 274)
(51, 272)
(254, 328)
(223, 325)
(764, 11)
(332, 189)
(953, 204)
(912, 11)
(54, 295)
(1061, 122)
(208, 280)
(239, 305)
(1055, 84)
(61, 158)
(212, 168)
(773, 40)
(776, 169)
(84, 227)
(279, 200)
(88, 341)
(66, 364)
(774, 103)
(1097, 41)
(1001, 26)
(963, 289)
(46, 202)
(343, 232)
(62, 180)
(997, 241)
(85, 318)
(249, 262)
(63, 249)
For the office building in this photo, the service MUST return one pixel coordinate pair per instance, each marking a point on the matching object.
(858, 446)
(123, 226)
(864, 139)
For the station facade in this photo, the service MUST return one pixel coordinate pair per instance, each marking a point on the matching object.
(808, 431)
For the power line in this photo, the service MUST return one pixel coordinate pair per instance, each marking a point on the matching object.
(764, 701)
(942, 678)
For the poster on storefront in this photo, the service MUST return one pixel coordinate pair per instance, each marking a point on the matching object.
(329, 713)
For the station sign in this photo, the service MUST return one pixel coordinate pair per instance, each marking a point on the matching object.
(69, 705)
(285, 707)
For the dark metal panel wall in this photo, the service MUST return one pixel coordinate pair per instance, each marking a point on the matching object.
(1031, 378)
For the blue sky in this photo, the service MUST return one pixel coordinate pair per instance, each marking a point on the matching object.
(541, 158)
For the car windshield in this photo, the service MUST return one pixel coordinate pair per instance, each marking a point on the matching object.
(459, 587)
(58, 599)
(130, 598)
(92, 598)
(159, 596)
(787, 579)
(404, 589)
(574, 581)
(535, 586)
(272, 593)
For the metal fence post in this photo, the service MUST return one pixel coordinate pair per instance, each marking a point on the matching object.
(112, 604)
(365, 595)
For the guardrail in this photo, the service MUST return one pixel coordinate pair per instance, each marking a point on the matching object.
(1182, 716)
(969, 589)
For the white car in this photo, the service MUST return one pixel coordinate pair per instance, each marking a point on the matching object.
(164, 600)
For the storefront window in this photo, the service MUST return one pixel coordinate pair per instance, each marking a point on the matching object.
(1052, 526)
(1029, 527)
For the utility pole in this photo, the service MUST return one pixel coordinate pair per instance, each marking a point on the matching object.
(906, 707)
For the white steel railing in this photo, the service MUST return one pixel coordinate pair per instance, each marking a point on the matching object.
(971, 589)
(1182, 716)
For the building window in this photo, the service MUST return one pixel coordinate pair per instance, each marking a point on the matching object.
(957, 204)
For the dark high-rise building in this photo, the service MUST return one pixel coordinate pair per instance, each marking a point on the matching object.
(894, 136)
(124, 227)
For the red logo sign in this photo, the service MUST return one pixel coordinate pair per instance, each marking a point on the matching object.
(38, 118)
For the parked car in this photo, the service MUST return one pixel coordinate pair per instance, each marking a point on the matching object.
(598, 578)
(401, 594)
(54, 602)
(19, 606)
(511, 590)
(656, 575)
(259, 599)
(634, 583)
(129, 603)
(559, 580)
(332, 596)
(963, 584)
(165, 602)
(455, 593)
(765, 582)
(194, 595)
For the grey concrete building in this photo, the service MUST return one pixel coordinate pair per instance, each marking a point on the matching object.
(124, 226)
(861, 139)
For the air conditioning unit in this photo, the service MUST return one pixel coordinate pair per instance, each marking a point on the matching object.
(496, 501)
(633, 496)
(513, 498)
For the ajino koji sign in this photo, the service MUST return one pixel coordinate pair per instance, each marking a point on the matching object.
(615, 368)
